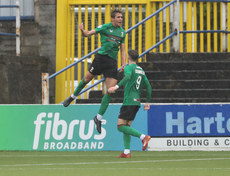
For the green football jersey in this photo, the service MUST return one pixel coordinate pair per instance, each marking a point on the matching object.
(111, 39)
(134, 80)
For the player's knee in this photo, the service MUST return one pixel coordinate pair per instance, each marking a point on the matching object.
(119, 127)
(88, 77)
(110, 94)
(86, 80)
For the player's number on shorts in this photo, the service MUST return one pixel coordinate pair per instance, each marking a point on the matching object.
(138, 82)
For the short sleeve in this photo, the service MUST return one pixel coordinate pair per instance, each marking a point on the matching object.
(123, 40)
(101, 28)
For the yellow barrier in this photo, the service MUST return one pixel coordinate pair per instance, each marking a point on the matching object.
(193, 16)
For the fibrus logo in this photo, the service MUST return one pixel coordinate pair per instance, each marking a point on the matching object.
(57, 134)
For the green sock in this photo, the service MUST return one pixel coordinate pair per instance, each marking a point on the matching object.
(104, 104)
(80, 86)
(129, 131)
(126, 140)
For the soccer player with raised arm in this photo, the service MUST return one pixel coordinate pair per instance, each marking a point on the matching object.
(105, 62)
(134, 79)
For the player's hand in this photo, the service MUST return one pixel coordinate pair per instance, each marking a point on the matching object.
(146, 106)
(81, 27)
(122, 68)
(112, 89)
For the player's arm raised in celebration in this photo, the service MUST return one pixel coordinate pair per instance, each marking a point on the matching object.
(86, 33)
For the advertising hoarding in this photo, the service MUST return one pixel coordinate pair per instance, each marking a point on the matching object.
(189, 127)
(56, 128)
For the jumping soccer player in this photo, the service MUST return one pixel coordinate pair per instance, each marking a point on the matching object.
(105, 62)
(133, 81)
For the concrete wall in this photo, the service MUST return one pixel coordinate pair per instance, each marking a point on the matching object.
(38, 40)
(45, 16)
(20, 79)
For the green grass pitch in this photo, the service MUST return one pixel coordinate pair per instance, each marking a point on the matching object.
(170, 163)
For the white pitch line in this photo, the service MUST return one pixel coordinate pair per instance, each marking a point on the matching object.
(123, 168)
(13, 156)
(177, 160)
(118, 162)
(136, 168)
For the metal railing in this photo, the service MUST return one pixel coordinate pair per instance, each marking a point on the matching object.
(18, 25)
(129, 30)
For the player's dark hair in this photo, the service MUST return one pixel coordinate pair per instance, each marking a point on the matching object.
(133, 54)
(114, 12)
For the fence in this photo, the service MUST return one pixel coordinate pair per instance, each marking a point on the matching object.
(206, 26)
(203, 27)
(26, 10)
(18, 25)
